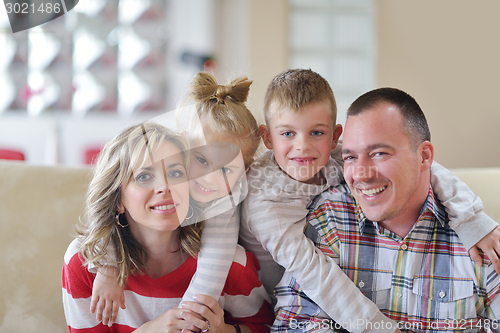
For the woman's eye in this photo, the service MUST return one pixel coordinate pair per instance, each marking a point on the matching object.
(225, 170)
(143, 177)
(175, 174)
(202, 161)
(287, 134)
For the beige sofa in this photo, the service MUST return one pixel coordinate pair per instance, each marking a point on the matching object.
(39, 206)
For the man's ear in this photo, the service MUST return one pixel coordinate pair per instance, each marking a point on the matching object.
(426, 155)
(266, 136)
(337, 132)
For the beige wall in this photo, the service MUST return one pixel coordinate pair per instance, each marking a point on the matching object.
(268, 47)
(446, 54)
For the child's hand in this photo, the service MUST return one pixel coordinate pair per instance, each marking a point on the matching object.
(490, 244)
(107, 296)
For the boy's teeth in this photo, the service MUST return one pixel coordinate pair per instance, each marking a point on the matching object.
(166, 207)
(373, 191)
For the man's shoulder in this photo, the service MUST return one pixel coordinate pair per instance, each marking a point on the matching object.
(339, 195)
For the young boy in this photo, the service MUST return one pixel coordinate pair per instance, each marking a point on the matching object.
(300, 132)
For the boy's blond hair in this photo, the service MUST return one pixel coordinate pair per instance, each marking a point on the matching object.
(296, 88)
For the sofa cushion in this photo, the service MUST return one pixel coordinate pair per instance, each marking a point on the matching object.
(39, 206)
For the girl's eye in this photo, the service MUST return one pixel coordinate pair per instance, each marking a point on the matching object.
(317, 133)
(225, 170)
(287, 134)
(143, 177)
(175, 174)
(202, 161)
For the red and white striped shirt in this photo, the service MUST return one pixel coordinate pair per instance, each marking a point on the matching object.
(243, 298)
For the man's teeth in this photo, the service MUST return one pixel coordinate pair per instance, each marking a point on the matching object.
(373, 191)
(166, 207)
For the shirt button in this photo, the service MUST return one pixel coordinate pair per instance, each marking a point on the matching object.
(442, 294)
(399, 294)
(361, 284)
(404, 247)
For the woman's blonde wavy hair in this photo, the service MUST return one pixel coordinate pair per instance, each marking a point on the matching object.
(114, 168)
(221, 109)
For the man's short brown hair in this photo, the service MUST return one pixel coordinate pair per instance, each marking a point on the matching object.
(296, 88)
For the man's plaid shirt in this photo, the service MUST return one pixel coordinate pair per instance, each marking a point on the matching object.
(425, 281)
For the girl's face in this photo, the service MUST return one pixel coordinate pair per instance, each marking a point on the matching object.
(156, 198)
(214, 170)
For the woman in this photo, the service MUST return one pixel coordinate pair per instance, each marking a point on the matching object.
(137, 199)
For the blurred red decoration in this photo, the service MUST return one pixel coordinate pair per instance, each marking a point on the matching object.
(7, 154)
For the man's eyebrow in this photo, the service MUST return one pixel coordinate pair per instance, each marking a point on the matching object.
(369, 147)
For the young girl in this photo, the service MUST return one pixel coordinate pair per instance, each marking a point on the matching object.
(228, 133)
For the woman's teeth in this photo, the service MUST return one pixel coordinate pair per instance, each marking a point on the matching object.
(166, 207)
(373, 191)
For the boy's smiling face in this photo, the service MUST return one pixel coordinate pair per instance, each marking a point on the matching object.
(302, 140)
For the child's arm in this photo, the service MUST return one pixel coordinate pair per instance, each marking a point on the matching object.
(279, 227)
(465, 211)
(107, 295)
(218, 246)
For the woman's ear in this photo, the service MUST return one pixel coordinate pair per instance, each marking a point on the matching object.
(266, 136)
(120, 209)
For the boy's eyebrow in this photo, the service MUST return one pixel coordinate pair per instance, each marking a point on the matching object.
(368, 148)
(292, 126)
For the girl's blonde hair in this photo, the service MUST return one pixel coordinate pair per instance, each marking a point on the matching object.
(222, 110)
(114, 168)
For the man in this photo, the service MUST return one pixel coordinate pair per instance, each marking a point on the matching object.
(410, 263)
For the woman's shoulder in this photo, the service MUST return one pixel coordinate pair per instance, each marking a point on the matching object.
(73, 248)
(243, 272)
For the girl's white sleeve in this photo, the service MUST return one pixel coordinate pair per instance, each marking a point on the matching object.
(464, 208)
(218, 246)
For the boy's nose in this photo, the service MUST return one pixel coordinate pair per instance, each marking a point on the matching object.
(303, 143)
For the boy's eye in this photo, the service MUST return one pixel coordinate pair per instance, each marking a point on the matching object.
(317, 133)
(287, 134)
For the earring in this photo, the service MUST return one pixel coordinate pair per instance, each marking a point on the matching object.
(117, 218)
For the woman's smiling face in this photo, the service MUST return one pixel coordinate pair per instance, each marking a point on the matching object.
(157, 195)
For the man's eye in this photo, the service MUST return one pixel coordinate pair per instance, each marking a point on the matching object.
(348, 158)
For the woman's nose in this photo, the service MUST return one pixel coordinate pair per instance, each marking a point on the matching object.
(161, 184)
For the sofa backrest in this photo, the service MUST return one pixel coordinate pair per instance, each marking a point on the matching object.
(39, 205)
(484, 182)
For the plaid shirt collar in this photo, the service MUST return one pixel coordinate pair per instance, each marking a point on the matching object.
(431, 205)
